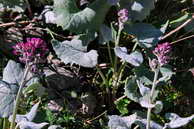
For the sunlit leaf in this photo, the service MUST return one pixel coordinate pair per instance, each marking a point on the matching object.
(71, 18)
(31, 125)
(74, 52)
(55, 127)
(27, 117)
(7, 94)
(118, 122)
(177, 121)
(143, 89)
(143, 122)
(135, 58)
(13, 72)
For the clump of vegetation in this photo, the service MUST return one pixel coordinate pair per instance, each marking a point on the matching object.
(88, 64)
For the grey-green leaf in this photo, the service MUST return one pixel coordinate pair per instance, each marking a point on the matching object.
(13, 72)
(7, 94)
(177, 121)
(118, 122)
(131, 90)
(158, 107)
(55, 127)
(105, 34)
(143, 89)
(31, 125)
(144, 75)
(146, 34)
(166, 74)
(70, 17)
(27, 117)
(135, 58)
(143, 122)
(144, 102)
(74, 52)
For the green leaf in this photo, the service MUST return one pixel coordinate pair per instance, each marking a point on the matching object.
(37, 88)
(146, 34)
(74, 52)
(122, 106)
(71, 18)
(180, 19)
(7, 94)
(138, 9)
(15, 5)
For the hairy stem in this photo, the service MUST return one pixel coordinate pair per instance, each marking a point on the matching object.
(156, 72)
(18, 96)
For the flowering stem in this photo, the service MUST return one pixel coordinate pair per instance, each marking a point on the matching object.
(18, 96)
(156, 72)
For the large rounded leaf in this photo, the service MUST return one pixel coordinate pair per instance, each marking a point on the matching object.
(70, 17)
(74, 52)
(146, 34)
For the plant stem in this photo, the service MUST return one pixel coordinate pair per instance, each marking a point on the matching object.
(18, 96)
(110, 55)
(116, 45)
(156, 72)
(178, 28)
(115, 74)
(4, 123)
(102, 75)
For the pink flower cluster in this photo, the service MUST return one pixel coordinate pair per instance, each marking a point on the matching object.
(162, 52)
(123, 16)
(33, 48)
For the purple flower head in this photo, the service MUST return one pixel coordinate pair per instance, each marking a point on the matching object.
(123, 16)
(162, 52)
(31, 50)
